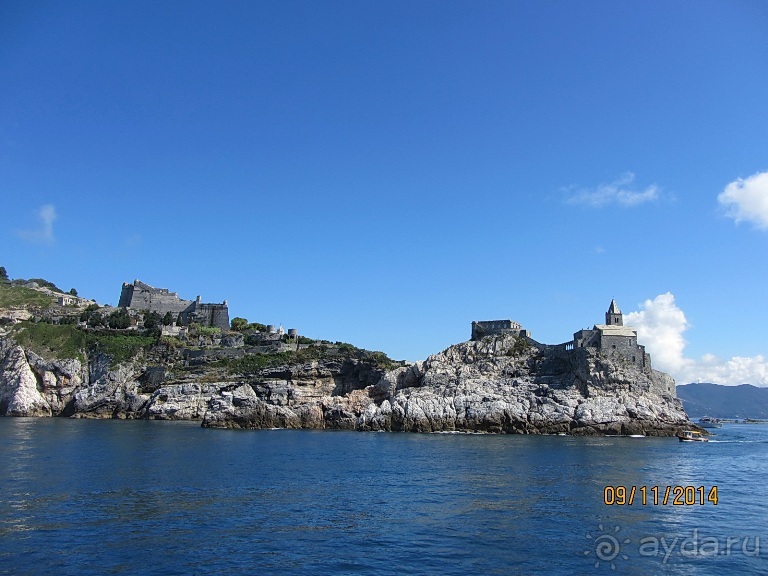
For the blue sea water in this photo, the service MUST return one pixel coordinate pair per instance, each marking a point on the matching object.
(144, 497)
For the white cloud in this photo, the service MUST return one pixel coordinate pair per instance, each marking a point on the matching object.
(44, 233)
(737, 370)
(616, 192)
(747, 199)
(660, 324)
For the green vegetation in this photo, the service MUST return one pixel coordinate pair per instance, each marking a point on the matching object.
(345, 347)
(252, 364)
(520, 347)
(119, 319)
(383, 361)
(91, 316)
(3, 274)
(67, 341)
(208, 330)
(167, 319)
(42, 282)
(239, 324)
(62, 341)
(120, 347)
(152, 320)
(171, 342)
(18, 296)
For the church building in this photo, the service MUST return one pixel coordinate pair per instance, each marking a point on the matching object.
(614, 338)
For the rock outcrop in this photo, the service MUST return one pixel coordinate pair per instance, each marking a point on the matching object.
(19, 391)
(501, 384)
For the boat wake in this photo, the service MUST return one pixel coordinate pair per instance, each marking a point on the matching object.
(739, 441)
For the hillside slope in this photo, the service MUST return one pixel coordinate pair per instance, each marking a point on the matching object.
(745, 401)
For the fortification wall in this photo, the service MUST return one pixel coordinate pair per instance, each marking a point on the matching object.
(664, 383)
(215, 315)
(139, 297)
(159, 302)
(126, 294)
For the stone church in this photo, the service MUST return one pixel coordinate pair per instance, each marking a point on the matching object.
(614, 337)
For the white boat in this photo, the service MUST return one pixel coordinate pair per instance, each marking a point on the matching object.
(709, 422)
(691, 436)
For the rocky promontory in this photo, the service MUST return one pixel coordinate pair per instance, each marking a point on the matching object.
(501, 384)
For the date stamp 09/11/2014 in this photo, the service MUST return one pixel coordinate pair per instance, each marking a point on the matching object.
(659, 495)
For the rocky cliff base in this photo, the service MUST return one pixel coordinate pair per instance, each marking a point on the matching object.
(502, 384)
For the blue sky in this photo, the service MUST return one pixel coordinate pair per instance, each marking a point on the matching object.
(383, 173)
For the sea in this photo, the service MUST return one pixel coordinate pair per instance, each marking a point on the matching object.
(150, 497)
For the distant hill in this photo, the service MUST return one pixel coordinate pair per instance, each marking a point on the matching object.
(745, 401)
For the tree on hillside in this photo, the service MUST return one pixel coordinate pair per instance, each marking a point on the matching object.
(119, 319)
(239, 324)
(3, 274)
(73, 292)
(168, 319)
(151, 320)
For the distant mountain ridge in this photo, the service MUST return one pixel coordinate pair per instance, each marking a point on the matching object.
(744, 401)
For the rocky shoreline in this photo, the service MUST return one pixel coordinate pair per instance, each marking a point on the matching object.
(500, 384)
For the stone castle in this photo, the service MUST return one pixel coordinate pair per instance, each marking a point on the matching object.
(612, 338)
(140, 296)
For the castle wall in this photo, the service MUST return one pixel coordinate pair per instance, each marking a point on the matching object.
(126, 294)
(161, 303)
(215, 315)
(140, 296)
(664, 383)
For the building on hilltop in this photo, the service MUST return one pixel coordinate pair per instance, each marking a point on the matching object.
(140, 296)
(496, 327)
(611, 339)
(614, 337)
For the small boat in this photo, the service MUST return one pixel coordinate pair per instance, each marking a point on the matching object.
(691, 436)
(709, 422)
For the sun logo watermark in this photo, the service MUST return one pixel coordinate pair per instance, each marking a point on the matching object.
(607, 547)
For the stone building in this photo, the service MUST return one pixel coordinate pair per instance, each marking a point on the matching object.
(140, 296)
(495, 327)
(614, 337)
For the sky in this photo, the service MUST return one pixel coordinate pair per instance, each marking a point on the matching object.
(384, 173)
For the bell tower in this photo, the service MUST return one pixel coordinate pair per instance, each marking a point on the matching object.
(614, 317)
